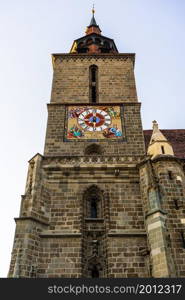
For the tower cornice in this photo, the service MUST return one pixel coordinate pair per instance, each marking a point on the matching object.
(94, 104)
(75, 56)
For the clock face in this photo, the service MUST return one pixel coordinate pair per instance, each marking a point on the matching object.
(94, 119)
(94, 122)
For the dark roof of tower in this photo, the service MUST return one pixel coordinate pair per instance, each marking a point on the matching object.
(96, 35)
(176, 137)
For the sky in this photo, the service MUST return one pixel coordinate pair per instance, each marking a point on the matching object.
(31, 30)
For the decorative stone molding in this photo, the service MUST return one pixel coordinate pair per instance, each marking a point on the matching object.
(31, 219)
(59, 234)
(51, 162)
(57, 58)
(125, 233)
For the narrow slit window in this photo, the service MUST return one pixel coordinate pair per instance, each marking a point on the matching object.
(94, 74)
(93, 203)
(93, 94)
(162, 149)
(93, 84)
(176, 204)
(183, 239)
(170, 175)
(94, 213)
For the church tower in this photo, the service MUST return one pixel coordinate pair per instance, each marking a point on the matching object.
(82, 214)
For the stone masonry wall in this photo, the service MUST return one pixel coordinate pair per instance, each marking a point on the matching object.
(163, 192)
(26, 249)
(172, 188)
(60, 256)
(116, 81)
(122, 221)
(133, 144)
(126, 258)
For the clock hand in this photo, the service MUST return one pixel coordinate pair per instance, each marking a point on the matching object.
(94, 121)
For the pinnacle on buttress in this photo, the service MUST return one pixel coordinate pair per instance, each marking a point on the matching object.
(157, 135)
(159, 145)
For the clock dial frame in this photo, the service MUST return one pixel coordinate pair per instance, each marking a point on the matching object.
(94, 123)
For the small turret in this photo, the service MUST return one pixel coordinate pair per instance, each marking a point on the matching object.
(93, 42)
(159, 145)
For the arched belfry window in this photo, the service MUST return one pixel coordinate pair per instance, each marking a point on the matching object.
(93, 203)
(93, 149)
(93, 84)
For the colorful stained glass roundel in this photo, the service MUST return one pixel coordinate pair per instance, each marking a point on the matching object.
(94, 122)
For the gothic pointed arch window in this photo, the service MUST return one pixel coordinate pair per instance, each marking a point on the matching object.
(93, 84)
(93, 203)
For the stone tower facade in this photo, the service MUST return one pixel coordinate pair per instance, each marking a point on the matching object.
(96, 204)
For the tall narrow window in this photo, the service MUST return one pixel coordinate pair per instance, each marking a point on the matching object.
(170, 175)
(183, 239)
(93, 203)
(93, 83)
(162, 149)
(176, 204)
(94, 213)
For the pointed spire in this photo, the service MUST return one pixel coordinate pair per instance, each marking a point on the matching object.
(93, 26)
(159, 145)
(93, 21)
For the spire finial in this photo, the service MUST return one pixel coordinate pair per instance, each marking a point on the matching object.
(93, 21)
(155, 124)
(93, 27)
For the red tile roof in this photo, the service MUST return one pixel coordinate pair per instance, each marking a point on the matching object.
(175, 136)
